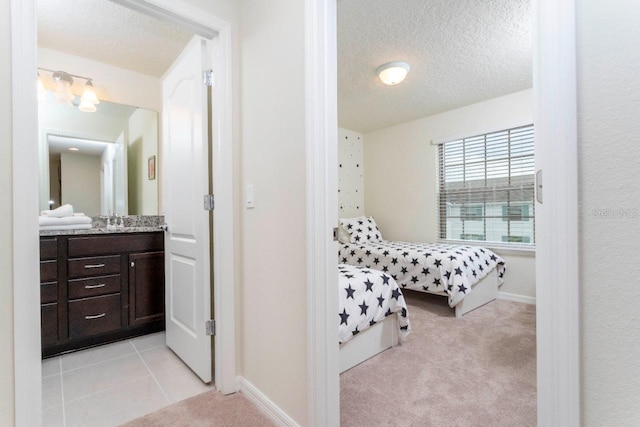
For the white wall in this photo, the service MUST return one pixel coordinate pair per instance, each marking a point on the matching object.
(143, 130)
(609, 155)
(7, 397)
(81, 182)
(273, 234)
(350, 173)
(401, 187)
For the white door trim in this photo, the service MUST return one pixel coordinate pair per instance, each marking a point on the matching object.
(555, 120)
(26, 246)
(557, 269)
(322, 212)
(26, 303)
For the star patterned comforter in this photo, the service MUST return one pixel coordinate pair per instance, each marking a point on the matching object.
(426, 267)
(367, 297)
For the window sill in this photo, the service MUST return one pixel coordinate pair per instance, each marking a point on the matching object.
(521, 249)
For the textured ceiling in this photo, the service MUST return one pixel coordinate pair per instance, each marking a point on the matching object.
(109, 33)
(461, 52)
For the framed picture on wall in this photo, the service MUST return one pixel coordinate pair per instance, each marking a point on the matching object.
(152, 167)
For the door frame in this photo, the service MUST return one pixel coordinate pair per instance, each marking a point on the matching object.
(555, 112)
(26, 299)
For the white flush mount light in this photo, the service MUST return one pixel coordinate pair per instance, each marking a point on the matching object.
(393, 73)
(74, 149)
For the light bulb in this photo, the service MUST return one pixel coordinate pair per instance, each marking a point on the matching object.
(42, 92)
(89, 94)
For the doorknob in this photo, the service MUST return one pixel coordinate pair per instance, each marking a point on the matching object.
(164, 227)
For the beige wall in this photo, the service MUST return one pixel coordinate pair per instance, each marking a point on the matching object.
(273, 234)
(401, 174)
(143, 133)
(81, 182)
(609, 159)
(6, 226)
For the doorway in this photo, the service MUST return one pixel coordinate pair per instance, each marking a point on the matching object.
(27, 348)
(555, 117)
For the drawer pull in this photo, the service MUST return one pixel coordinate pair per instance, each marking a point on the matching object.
(101, 285)
(94, 266)
(97, 316)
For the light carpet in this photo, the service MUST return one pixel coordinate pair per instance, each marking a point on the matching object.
(479, 370)
(210, 409)
(476, 371)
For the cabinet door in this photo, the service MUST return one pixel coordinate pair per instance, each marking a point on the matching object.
(49, 324)
(146, 287)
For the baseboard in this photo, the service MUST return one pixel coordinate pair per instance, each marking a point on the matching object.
(517, 298)
(265, 405)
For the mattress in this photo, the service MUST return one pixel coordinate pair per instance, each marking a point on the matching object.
(434, 268)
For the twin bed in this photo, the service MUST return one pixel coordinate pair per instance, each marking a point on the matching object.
(469, 276)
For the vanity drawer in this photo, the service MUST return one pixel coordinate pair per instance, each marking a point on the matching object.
(48, 271)
(48, 249)
(48, 292)
(83, 288)
(105, 245)
(49, 323)
(94, 266)
(94, 316)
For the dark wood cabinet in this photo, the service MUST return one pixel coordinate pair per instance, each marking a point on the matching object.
(146, 302)
(100, 288)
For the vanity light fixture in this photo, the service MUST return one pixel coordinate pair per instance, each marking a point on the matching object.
(393, 73)
(42, 92)
(63, 82)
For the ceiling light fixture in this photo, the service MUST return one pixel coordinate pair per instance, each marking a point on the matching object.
(393, 73)
(63, 82)
(42, 92)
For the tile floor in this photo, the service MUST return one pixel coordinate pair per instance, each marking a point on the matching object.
(115, 383)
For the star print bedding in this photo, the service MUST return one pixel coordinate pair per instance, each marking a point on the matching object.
(367, 297)
(435, 268)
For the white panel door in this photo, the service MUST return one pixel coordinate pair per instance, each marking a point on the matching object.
(186, 174)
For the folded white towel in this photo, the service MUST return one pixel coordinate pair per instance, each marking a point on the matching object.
(61, 212)
(68, 220)
(65, 227)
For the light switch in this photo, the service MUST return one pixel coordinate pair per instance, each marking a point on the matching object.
(249, 200)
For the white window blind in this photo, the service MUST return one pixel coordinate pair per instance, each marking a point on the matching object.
(486, 187)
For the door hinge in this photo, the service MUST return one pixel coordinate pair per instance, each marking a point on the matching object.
(210, 326)
(208, 202)
(207, 77)
(335, 234)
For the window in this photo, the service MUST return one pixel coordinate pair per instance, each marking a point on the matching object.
(486, 187)
(471, 213)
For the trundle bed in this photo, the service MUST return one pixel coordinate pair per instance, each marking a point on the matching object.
(373, 314)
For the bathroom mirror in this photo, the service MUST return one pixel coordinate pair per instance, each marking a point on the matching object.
(103, 162)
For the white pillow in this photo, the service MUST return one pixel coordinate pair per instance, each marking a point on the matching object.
(361, 229)
(343, 235)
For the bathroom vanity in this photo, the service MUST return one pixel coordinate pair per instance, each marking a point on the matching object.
(99, 286)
